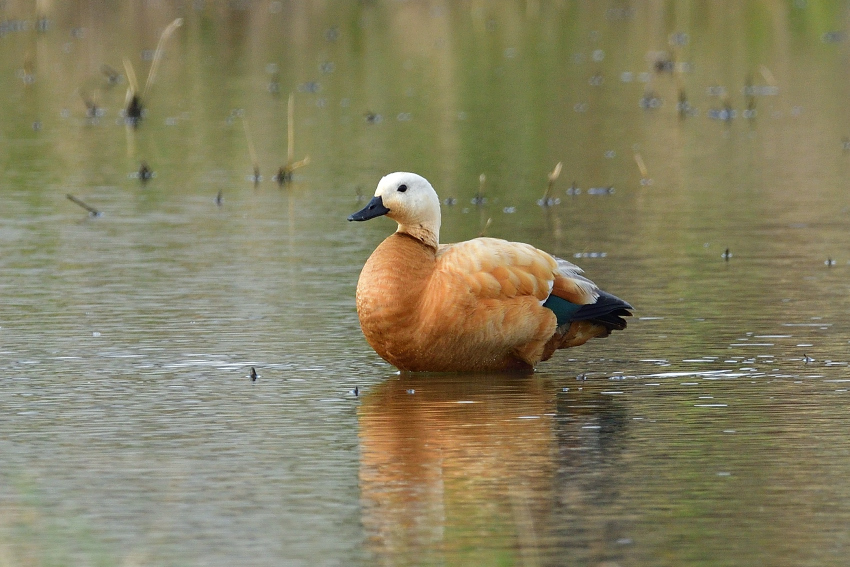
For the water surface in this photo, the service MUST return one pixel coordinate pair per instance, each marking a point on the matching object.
(711, 432)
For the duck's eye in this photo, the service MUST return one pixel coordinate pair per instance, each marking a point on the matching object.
(402, 188)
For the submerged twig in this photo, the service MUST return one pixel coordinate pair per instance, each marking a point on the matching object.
(92, 211)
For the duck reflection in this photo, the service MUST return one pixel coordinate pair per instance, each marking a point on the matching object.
(489, 470)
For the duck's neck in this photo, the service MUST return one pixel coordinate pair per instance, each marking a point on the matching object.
(430, 236)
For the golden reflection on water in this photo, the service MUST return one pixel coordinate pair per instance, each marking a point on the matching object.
(449, 462)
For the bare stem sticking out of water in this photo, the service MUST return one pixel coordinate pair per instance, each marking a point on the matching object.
(133, 100)
(290, 128)
(251, 153)
(92, 211)
(132, 82)
(157, 56)
(479, 198)
(486, 226)
(284, 174)
(553, 177)
(644, 173)
(768, 76)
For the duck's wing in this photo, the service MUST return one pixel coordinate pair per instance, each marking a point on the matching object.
(603, 308)
(495, 268)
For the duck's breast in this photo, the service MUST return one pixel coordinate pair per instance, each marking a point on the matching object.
(389, 294)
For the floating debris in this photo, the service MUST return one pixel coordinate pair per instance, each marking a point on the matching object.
(274, 79)
(282, 176)
(145, 173)
(113, 77)
(833, 37)
(590, 255)
(93, 111)
(332, 34)
(664, 64)
(724, 114)
(620, 14)
(683, 107)
(311, 87)
(750, 111)
(679, 39)
(92, 211)
(760, 90)
(651, 101)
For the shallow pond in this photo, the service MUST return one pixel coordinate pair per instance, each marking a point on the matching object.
(705, 162)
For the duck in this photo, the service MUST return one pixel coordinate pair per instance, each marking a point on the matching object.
(482, 305)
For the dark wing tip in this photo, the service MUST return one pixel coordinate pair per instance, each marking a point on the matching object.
(608, 310)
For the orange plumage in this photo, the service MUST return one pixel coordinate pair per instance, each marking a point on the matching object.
(472, 306)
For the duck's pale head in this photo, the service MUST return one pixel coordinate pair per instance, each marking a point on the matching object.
(409, 200)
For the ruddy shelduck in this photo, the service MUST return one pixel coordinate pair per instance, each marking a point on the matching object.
(481, 305)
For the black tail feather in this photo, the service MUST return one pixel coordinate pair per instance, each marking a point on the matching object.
(608, 311)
